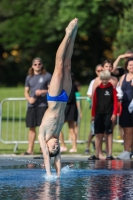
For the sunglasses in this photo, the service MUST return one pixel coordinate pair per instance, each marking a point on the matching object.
(37, 64)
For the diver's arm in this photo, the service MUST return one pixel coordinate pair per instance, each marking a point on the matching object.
(57, 162)
(45, 152)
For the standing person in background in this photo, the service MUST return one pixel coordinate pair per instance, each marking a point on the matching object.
(107, 65)
(36, 87)
(119, 71)
(71, 116)
(79, 107)
(104, 111)
(126, 118)
(98, 69)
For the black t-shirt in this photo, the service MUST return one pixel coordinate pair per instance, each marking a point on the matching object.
(38, 82)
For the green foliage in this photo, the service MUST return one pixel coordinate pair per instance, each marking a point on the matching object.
(124, 36)
(35, 28)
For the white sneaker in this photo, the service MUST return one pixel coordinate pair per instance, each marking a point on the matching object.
(125, 155)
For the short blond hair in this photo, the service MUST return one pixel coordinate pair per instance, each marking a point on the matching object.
(105, 74)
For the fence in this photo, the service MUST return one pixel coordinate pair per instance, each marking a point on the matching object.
(12, 122)
(14, 131)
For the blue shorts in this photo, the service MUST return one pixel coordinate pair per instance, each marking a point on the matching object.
(63, 97)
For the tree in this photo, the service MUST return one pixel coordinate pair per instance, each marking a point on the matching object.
(124, 36)
(35, 28)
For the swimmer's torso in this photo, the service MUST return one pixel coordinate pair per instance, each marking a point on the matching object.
(53, 119)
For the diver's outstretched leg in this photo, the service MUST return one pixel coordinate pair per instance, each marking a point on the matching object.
(56, 84)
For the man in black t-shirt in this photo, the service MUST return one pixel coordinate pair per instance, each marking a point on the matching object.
(36, 87)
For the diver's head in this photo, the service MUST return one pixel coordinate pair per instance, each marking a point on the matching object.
(53, 147)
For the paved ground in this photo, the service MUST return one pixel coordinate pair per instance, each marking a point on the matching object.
(10, 160)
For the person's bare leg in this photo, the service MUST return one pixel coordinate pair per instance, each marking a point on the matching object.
(63, 145)
(67, 61)
(56, 84)
(73, 136)
(128, 135)
(132, 146)
(106, 144)
(31, 139)
(97, 143)
(76, 128)
(100, 146)
(89, 141)
(109, 141)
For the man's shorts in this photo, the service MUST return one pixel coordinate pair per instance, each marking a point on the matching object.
(126, 118)
(34, 116)
(103, 124)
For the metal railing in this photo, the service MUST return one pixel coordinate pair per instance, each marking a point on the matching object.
(13, 128)
(12, 122)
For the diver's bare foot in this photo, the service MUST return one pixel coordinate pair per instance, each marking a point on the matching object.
(71, 26)
(74, 32)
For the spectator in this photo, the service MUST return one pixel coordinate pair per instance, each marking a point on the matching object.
(79, 107)
(98, 69)
(36, 87)
(119, 71)
(107, 65)
(126, 119)
(71, 115)
(104, 111)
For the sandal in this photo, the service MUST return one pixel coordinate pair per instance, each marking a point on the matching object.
(93, 158)
(109, 158)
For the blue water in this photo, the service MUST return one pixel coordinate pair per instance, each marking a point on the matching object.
(110, 180)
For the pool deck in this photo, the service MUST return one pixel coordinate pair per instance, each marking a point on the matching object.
(12, 159)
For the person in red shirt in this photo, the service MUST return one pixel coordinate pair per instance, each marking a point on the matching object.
(104, 111)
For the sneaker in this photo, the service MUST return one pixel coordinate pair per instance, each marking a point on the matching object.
(87, 151)
(125, 155)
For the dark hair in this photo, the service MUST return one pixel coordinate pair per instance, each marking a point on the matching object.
(107, 61)
(77, 83)
(128, 51)
(31, 71)
(127, 61)
(54, 154)
(99, 65)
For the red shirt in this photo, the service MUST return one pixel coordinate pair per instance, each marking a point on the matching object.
(104, 100)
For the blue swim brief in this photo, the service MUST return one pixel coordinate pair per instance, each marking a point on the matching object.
(62, 97)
